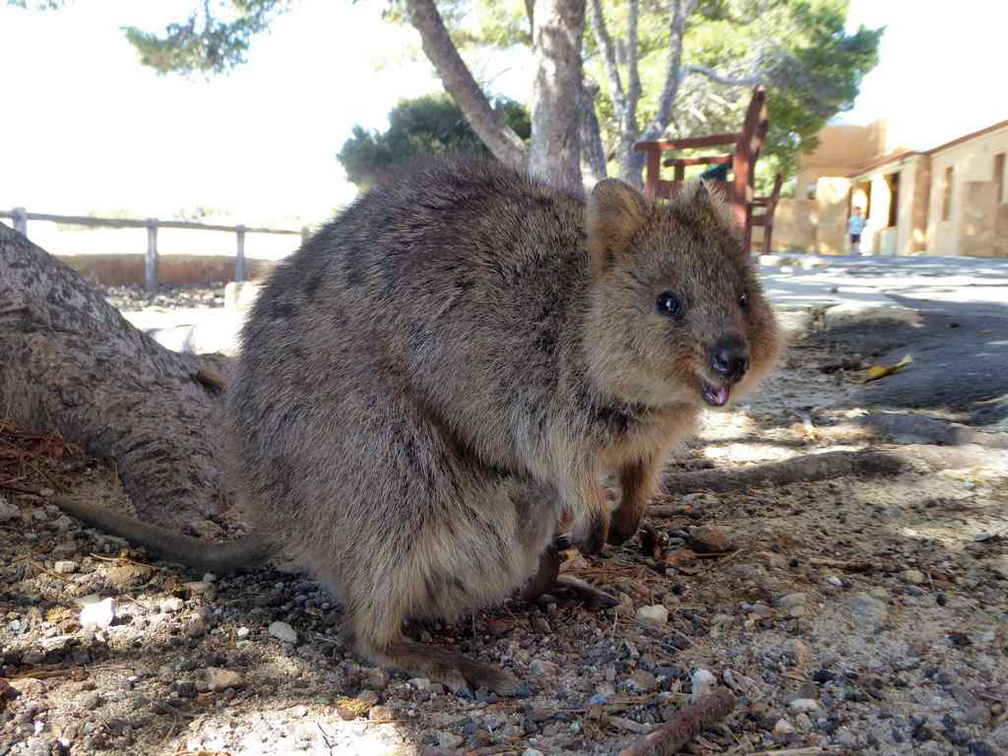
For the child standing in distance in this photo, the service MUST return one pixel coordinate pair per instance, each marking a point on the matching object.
(855, 226)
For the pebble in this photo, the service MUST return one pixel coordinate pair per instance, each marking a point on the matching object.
(171, 605)
(867, 610)
(702, 682)
(219, 679)
(283, 632)
(655, 615)
(783, 727)
(65, 566)
(914, 577)
(804, 704)
(542, 668)
(7, 510)
(449, 740)
(643, 681)
(99, 614)
(791, 601)
(243, 632)
(710, 539)
(420, 683)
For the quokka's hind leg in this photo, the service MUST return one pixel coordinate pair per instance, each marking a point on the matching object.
(549, 580)
(461, 674)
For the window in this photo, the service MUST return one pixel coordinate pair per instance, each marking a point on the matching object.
(999, 177)
(947, 198)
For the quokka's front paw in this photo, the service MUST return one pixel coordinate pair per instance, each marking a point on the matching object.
(623, 526)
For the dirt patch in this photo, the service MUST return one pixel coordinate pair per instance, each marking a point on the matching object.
(848, 615)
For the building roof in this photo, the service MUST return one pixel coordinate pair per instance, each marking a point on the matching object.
(967, 137)
(902, 155)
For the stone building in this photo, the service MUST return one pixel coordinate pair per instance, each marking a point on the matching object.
(948, 200)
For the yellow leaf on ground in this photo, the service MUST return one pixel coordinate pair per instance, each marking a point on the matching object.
(881, 371)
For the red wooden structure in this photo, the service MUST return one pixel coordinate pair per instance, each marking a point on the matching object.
(765, 218)
(748, 142)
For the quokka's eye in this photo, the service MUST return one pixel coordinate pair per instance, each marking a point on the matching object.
(743, 300)
(669, 305)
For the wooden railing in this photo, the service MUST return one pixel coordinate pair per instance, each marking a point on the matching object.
(20, 217)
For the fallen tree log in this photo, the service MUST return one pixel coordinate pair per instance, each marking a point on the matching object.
(70, 362)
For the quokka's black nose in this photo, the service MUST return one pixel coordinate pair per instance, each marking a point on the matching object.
(730, 358)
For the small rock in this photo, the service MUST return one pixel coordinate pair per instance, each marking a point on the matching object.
(542, 668)
(791, 601)
(702, 682)
(803, 722)
(243, 632)
(531, 752)
(914, 577)
(783, 728)
(300, 711)
(804, 704)
(376, 678)
(65, 567)
(55, 643)
(420, 683)
(867, 610)
(655, 615)
(127, 575)
(219, 679)
(834, 580)
(7, 510)
(380, 714)
(283, 632)
(99, 614)
(449, 740)
(709, 539)
(171, 605)
(643, 681)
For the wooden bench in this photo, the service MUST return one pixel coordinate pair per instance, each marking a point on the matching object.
(747, 144)
(765, 218)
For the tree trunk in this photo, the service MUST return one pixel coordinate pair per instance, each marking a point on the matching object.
(556, 122)
(593, 157)
(458, 81)
(72, 363)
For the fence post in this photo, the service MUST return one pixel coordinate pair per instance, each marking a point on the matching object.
(20, 220)
(240, 255)
(150, 270)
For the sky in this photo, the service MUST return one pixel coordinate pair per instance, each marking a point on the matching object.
(86, 128)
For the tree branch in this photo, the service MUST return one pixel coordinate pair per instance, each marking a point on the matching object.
(458, 81)
(605, 44)
(680, 12)
(728, 81)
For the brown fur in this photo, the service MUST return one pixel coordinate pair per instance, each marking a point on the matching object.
(448, 369)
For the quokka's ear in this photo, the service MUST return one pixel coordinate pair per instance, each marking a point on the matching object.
(614, 212)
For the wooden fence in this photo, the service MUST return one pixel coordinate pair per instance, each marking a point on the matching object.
(20, 217)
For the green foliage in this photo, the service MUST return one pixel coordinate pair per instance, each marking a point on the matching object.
(214, 39)
(423, 126)
(798, 48)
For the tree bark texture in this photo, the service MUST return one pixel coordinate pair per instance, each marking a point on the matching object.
(72, 363)
(555, 154)
(593, 159)
(458, 81)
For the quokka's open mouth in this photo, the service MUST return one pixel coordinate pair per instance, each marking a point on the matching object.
(715, 396)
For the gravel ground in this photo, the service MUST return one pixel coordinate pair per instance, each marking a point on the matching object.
(859, 615)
